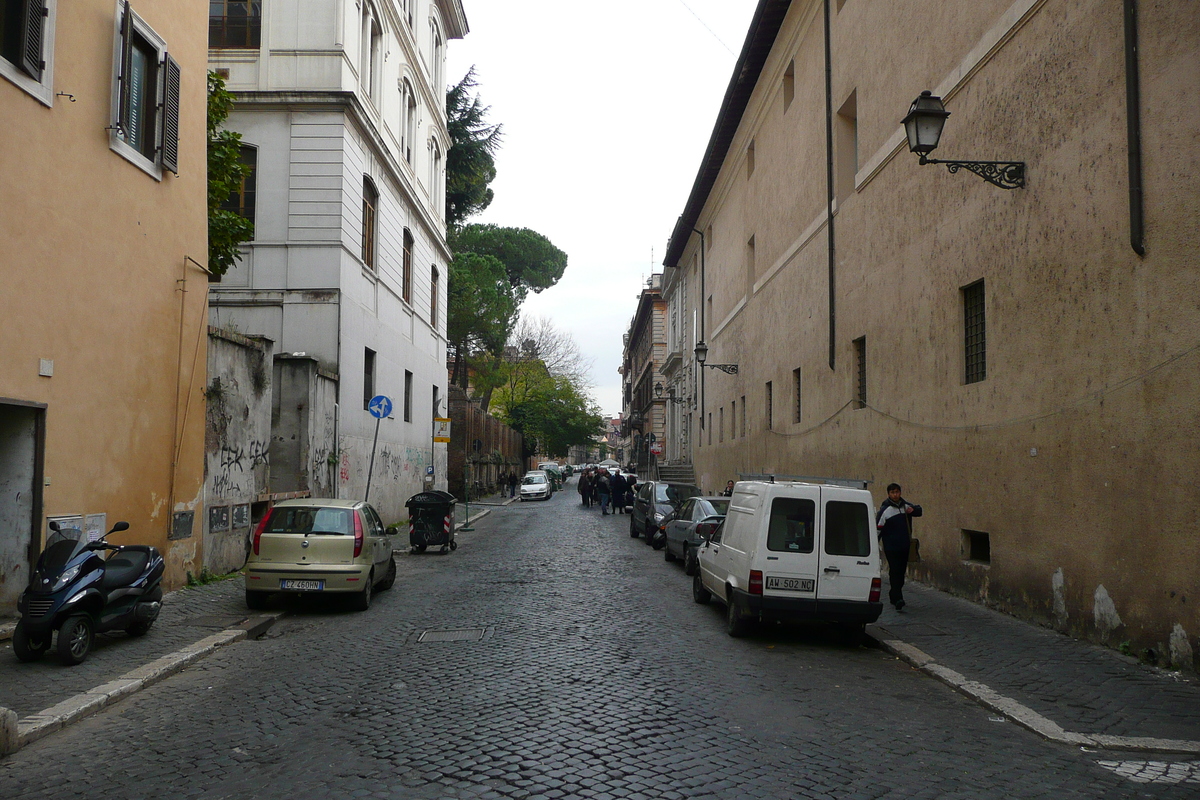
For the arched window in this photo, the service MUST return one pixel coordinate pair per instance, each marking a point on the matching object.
(370, 205)
(371, 53)
(409, 129)
(435, 176)
(406, 287)
(437, 54)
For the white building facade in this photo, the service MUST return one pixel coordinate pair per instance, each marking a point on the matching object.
(341, 107)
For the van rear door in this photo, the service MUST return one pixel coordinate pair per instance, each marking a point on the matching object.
(789, 561)
(849, 552)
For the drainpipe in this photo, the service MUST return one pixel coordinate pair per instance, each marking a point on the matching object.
(1137, 233)
(703, 300)
(829, 188)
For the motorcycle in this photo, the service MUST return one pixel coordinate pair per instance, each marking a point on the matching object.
(78, 593)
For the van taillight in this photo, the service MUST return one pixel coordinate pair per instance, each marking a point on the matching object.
(876, 586)
(358, 534)
(756, 584)
(262, 526)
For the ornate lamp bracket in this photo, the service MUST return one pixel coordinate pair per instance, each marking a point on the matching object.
(1005, 174)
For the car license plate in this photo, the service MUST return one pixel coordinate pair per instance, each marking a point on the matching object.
(791, 584)
(304, 586)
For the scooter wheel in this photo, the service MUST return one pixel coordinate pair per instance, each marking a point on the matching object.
(139, 628)
(75, 639)
(27, 647)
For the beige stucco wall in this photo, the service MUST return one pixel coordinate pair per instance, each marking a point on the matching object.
(93, 255)
(1076, 453)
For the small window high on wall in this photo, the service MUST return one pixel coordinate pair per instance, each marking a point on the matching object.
(234, 23)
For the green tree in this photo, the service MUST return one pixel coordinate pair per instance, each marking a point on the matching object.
(481, 309)
(470, 161)
(227, 230)
(531, 260)
(552, 415)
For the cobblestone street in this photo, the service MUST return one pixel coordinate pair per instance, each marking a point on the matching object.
(553, 656)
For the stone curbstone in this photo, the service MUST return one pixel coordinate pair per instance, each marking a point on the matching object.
(10, 739)
(6, 631)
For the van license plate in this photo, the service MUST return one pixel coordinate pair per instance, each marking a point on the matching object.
(304, 586)
(791, 584)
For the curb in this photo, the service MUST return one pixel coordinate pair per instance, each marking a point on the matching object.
(15, 734)
(1021, 714)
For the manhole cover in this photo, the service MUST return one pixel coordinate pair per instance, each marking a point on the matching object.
(464, 635)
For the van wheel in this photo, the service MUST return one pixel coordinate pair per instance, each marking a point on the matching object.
(699, 593)
(737, 624)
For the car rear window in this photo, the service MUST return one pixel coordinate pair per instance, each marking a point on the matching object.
(674, 493)
(847, 529)
(791, 526)
(714, 507)
(530, 479)
(305, 519)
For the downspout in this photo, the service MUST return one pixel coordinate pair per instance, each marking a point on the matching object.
(829, 189)
(1137, 232)
(703, 300)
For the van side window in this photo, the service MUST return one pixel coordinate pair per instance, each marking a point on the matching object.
(791, 527)
(847, 529)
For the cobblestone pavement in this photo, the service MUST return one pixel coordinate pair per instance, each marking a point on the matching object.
(552, 656)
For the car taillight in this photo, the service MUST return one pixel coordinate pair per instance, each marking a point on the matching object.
(876, 586)
(262, 526)
(705, 529)
(358, 534)
(756, 584)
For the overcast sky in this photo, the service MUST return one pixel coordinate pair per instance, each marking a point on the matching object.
(607, 109)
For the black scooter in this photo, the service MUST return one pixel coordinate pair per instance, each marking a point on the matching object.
(78, 593)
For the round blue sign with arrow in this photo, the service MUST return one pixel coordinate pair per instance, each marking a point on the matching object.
(380, 406)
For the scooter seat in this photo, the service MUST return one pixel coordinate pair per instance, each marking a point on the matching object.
(123, 568)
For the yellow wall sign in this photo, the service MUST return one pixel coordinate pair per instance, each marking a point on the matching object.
(441, 429)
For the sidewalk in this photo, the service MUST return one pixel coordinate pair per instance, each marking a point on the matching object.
(1066, 690)
(195, 621)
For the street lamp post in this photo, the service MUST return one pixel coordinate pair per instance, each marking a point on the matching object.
(923, 125)
(702, 356)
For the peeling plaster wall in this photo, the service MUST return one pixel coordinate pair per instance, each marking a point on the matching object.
(1076, 454)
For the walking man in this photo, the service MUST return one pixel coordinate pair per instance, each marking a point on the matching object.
(894, 522)
(585, 488)
(512, 483)
(603, 490)
(619, 487)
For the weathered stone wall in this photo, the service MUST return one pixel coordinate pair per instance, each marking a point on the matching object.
(499, 449)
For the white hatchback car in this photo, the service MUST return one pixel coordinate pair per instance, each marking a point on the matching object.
(320, 546)
(793, 551)
(537, 485)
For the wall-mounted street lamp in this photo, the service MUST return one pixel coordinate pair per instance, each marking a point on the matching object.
(658, 392)
(923, 125)
(702, 354)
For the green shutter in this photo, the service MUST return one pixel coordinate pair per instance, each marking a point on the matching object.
(32, 62)
(123, 78)
(170, 118)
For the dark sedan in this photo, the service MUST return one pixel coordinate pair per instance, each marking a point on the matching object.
(652, 503)
(687, 527)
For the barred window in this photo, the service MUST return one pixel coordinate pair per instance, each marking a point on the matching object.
(860, 366)
(975, 332)
(770, 403)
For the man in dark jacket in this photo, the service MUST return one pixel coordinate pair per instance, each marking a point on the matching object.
(894, 522)
(603, 488)
(585, 488)
(619, 486)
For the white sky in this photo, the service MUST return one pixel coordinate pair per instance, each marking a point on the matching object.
(607, 109)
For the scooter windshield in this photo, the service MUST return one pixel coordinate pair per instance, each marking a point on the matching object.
(61, 547)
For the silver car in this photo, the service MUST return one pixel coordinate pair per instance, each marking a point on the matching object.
(320, 546)
(687, 528)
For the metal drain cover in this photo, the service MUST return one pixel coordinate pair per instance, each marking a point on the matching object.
(462, 635)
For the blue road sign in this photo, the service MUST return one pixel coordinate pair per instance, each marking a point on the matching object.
(380, 406)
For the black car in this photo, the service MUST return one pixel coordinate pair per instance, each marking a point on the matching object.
(688, 526)
(653, 502)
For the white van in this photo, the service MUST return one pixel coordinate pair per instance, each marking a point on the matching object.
(793, 551)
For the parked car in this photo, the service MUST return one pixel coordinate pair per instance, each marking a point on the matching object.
(689, 526)
(652, 502)
(793, 551)
(320, 546)
(537, 485)
(555, 472)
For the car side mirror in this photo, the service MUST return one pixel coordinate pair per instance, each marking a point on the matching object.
(392, 530)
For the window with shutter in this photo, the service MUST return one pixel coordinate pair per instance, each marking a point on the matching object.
(26, 45)
(170, 115)
(146, 105)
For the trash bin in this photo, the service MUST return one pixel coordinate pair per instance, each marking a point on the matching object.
(431, 521)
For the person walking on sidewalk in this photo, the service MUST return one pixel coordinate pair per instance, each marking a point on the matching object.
(894, 522)
(512, 483)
